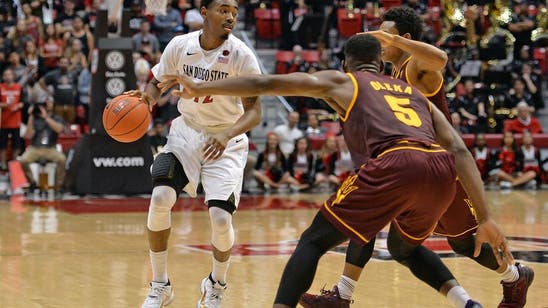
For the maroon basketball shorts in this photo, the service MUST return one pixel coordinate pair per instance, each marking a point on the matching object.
(460, 218)
(411, 185)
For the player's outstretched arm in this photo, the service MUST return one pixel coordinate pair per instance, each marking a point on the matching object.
(470, 178)
(426, 57)
(335, 87)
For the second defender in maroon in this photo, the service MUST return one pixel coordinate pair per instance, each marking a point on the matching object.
(391, 126)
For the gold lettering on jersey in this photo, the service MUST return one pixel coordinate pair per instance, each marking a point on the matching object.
(346, 188)
(391, 87)
(203, 73)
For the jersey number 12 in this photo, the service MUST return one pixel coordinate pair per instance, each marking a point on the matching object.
(207, 100)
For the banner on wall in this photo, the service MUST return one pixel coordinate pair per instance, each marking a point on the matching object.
(105, 166)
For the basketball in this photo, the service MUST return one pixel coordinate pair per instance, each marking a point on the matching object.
(126, 118)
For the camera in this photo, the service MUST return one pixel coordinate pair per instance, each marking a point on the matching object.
(36, 111)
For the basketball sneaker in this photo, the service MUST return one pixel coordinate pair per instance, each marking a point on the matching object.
(212, 293)
(326, 299)
(472, 304)
(159, 295)
(515, 293)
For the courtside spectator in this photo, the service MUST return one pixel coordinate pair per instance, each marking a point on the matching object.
(471, 108)
(65, 18)
(82, 34)
(146, 42)
(524, 121)
(51, 49)
(518, 94)
(43, 128)
(482, 155)
(63, 82)
(10, 105)
(193, 17)
(18, 36)
(271, 167)
(314, 128)
(288, 133)
(164, 25)
(531, 160)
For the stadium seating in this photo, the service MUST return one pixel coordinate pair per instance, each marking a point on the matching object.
(267, 24)
(349, 22)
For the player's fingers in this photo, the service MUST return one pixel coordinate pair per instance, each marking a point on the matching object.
(166, 85)
(508, 256)
(477, 249)
(183, 93)
(498, 255)
(133, 93)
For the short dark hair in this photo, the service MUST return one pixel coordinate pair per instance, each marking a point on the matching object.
(363, 48)
(206, 3)
(406, 20)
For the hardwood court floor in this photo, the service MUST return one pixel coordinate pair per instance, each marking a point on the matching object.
(93, 253)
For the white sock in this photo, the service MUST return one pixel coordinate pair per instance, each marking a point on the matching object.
(219, 270)
(346, 287)
(159, 265)
(511, 274)
(458, 297)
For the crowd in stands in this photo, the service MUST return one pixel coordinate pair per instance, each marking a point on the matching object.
(47, 46)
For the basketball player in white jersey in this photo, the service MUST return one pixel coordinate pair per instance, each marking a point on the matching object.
(207, 142)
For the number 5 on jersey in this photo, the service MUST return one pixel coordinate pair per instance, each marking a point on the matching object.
(206, 100)
(405, 114)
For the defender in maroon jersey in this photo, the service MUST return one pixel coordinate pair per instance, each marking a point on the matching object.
(405, 179)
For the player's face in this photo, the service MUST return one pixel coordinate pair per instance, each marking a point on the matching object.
(390, 53)
(220, 18)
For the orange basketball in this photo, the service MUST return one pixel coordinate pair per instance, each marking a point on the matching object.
(126, 118)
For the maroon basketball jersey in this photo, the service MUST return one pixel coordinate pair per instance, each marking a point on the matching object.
(438, 97)
(384, 111)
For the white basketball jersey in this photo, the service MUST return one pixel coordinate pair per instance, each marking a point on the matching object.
(184, 55)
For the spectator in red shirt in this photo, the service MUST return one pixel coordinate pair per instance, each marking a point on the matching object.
(524, 121)
(10, 103)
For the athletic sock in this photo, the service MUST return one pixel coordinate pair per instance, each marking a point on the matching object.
(511, 274)
(159, 265)
(458, 297)
(346, 287)
(219, 270)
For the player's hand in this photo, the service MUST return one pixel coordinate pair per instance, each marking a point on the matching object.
(489, 232)
(190, 88)
(215, 146)
(143, 96)
(384, 37)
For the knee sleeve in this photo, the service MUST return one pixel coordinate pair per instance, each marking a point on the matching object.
(222, 232)
(463, 246)
(168, 171)
(159, 212)
(358, 255)
(399, 249)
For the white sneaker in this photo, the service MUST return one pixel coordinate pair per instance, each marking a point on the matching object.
(159, 295)
(212, 293)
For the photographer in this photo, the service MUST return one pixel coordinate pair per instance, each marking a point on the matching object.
(42, 129)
